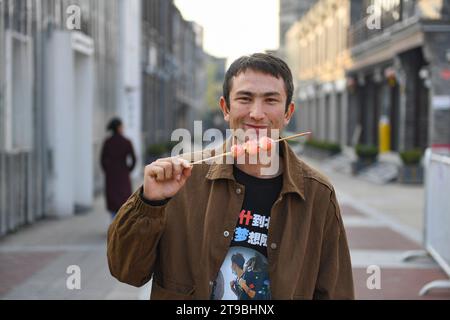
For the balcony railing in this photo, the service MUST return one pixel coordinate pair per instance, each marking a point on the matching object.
(371, 26)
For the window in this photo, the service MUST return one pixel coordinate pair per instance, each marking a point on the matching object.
(19, 93)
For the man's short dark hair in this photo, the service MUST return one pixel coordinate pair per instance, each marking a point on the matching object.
(262, 62)
(238, 259)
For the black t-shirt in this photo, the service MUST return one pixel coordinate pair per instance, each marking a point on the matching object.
(244, 273)
(254, 219)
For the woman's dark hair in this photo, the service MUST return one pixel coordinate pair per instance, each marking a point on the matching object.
(265, 63)
(114, 125)
(238, 259)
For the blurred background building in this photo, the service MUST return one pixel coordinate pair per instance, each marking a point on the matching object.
(173, 73)
(66, 68)
(400, 72)
(57, 90)
(371, 72)
(215, 73)
(317, 51)
(290, 12)
(360, 66)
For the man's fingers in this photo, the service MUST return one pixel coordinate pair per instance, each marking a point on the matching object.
(177, 168)
(186, 174)
(157, 172)
(167, 169)
(170, 168)
(186, 164)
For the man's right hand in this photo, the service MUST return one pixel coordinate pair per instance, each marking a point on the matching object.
(165, 177)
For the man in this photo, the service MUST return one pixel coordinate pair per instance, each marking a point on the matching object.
(186, 222)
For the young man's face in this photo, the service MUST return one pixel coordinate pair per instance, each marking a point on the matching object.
(257, 102)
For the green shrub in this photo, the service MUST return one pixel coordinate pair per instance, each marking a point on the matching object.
(170, 145)
(161, 148)
(324, 145)
(366, 151)
(411, 157)
(157, 149)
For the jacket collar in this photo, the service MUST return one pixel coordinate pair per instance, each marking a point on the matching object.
(292, 170)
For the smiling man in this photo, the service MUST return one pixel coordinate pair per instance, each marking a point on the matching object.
(186, 225)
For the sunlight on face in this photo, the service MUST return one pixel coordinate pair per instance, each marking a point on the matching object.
(257, 103)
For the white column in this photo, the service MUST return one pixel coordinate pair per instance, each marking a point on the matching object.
(59, 101)
(129, 83)
(83, 135)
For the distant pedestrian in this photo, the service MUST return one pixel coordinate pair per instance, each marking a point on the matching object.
(117, 160)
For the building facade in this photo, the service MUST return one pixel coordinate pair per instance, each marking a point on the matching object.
(400, 75)
(66, 68)
(173, 71)
(290, 12)
(361, 66)
(58, 71)
(318, 54)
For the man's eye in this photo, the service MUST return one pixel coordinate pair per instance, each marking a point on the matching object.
(272, 101)
(244, 99)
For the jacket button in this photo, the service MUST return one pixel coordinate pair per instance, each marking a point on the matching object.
(226, 234)
(238, 191)
(211, 283)
(273, 246)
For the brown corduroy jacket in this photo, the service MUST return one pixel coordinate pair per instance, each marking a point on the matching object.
(183, 243)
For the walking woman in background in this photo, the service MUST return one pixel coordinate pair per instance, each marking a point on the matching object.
(116, 153)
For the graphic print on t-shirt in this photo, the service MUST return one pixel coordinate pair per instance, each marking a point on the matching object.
(244, 273)
(243, 276)
(251, 231)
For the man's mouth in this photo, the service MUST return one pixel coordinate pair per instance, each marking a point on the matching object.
(255, 127)
(255, 131)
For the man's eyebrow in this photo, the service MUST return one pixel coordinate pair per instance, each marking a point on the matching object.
(265, 94)
(244, 93)
(272, 93)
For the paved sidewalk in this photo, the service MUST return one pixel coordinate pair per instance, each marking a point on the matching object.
(34, 261)
(383, 223)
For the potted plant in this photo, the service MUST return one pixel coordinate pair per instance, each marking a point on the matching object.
(367, 155)
(411, 172)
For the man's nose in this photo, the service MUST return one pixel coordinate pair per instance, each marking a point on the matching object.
(257, 111)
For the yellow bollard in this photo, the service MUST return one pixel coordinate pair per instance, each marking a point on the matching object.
(384, 131)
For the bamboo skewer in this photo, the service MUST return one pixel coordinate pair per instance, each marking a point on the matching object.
(212, 158)
(192, 153)
(294, 136)
(229, 153)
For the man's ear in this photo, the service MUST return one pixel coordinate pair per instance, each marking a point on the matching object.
(289, 113)
(225, 109)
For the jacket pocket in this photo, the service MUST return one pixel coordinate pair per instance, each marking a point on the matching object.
(160, 293)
